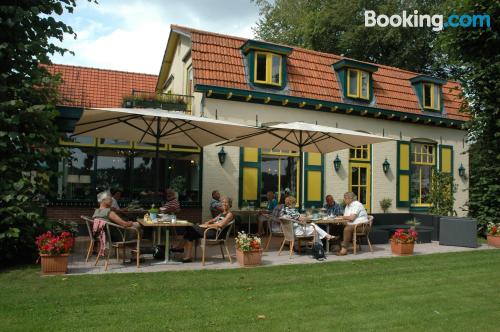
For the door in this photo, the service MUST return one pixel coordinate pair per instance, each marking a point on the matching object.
(359, 182)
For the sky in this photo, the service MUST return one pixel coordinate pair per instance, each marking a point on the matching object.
(132, 35)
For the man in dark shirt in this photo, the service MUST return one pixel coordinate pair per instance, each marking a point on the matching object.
(332, 208)
(215, 204)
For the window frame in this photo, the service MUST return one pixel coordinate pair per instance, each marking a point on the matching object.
(359, 150)
(269, 68)
(280, 155)
(421, 152)
(432, 89)
(359, 84)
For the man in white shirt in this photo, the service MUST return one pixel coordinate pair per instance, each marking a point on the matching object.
(354, 213)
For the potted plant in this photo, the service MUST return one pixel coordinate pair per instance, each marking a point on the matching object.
(248, 249)
(385, 204)
(403, 241)
(494, 235)
(54, 251)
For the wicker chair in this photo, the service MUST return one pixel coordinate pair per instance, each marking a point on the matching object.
(122, 242)
(362, 230)
(221, 239)
(274, 219)
(290, 237)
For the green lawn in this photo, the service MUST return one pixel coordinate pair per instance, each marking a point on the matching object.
(447, 292)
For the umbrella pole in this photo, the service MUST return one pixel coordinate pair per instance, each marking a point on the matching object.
(157, 156)
(301, 180)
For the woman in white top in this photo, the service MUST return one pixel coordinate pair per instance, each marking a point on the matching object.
(354, 213)
(299, 226)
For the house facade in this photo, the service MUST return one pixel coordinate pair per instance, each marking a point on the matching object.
(254, 82)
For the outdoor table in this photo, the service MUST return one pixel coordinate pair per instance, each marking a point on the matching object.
(249, 214)
(328, 222)
(166, 225)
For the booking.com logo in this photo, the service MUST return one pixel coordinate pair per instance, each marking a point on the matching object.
(418, 21)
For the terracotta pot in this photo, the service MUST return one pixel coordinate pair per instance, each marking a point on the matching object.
(402, 249)
(249, 258)
(494, 240)
(54, 264)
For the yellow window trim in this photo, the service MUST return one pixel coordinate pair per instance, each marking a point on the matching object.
(66, 143)
(116, 146)
(186, 149)
(164, 147)
(279, 153)
(269, 68)
(359, 83)
(431, 89)
(367, 185)
(360, 149)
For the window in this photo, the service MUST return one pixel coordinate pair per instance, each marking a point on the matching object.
(360, 153)
(76, 171)
(423, 160)
(189, 81)
(268, 68)
(360, 174)
(431, 96)
(358, 84)
(278, 173)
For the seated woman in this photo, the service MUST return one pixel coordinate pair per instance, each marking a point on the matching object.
(299, 226)
(197, 231)
(172, 203)
(104, 211)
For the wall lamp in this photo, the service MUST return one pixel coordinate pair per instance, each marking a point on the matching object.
(386, 166)
(461, 171)
(336, 163)
(222, 156)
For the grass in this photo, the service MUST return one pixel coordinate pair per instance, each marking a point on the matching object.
(441, 292)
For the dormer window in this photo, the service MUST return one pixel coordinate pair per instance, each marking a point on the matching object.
(266, 64)
(428, 90)
(355, 79)
(358, 84)
(268, 68)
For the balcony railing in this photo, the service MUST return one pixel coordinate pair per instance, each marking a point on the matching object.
(164, 101)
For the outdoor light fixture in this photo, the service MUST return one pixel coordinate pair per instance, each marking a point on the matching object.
(386, 166)
(461, 171)
(222, 156)
(336, 163)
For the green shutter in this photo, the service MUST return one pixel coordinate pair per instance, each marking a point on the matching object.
(403, 175)
(314, 179)
(446, 159)
(249, 183)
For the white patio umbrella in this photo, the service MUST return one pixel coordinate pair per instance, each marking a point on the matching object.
(157, 127)
(304, 137)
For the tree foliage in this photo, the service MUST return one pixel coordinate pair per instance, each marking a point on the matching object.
(338, 27)
(442, 194)
(28, 135)
(474, 59)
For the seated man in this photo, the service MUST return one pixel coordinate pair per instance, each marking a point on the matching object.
(355, 213)
(332, 207)
(172, 203)
(116, 195)
(215, 204)
(265, 215)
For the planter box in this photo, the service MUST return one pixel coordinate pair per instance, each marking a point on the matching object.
(54, 264)
(249, 258)
(402, 249)
(494, 241)
(459, 232)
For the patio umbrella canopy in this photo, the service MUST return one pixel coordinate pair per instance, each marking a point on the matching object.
(304, 137)
(156, 127)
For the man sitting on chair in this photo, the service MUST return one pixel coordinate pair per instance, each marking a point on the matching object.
(354, 213)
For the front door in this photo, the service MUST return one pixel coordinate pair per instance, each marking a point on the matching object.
(359, 182)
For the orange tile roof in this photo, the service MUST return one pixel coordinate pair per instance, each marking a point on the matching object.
(92, 87)
(218, 61)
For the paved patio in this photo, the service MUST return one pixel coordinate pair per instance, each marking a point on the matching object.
(214, 259)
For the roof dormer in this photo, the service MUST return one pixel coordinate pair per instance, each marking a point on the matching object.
(266, 63)
(429, 91)
(356, 79)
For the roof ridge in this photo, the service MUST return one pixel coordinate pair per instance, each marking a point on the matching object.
(101, 69)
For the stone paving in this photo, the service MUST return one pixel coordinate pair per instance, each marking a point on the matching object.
(214, 259)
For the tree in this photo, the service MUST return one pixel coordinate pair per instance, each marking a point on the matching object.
(28, 136)
(474, 60)
(338, 27)
(442, 194)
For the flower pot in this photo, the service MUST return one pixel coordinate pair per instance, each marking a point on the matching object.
(402, 249)
(494, 240)
(249, 258)
(54, 264)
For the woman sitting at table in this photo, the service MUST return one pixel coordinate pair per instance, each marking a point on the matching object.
(197, 231)
(172, 203)
(104, 211)
(300, 228)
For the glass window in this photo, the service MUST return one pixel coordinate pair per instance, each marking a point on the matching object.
(365, 77)
(143, 175)
(353, 83)
(427, 95)
(189, 81)
(276, 69)
(75, 181)
(112, 170)
(261, 67)
(183, 175)
(114, 142)
(360, 153)
(436, 97)
(422, 163)
(278, 174)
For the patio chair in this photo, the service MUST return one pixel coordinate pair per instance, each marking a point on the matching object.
(362, 230)
(274, 220)
(290, 237)
(221, 238)
(116, 237)
(88, 223)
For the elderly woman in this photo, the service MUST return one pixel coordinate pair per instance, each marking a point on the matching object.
(299, 226)
(172, 203)
(354, 213)
(197, 231)
(104, 211)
